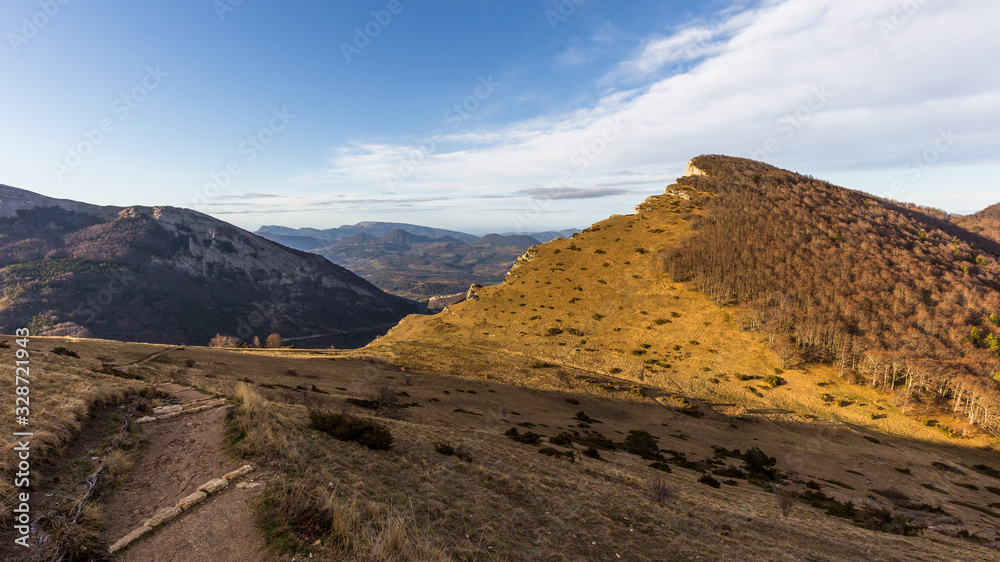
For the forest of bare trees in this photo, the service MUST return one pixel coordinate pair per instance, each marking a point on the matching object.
(898, 296)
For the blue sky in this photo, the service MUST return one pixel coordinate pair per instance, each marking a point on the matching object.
(486, 115)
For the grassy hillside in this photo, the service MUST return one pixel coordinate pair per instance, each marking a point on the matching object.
(500, 499)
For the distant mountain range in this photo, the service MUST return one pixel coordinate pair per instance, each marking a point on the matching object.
(169, 275)
(414, 261)
(309, 239)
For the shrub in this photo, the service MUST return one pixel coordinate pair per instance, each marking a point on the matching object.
(223, 341)
(528, 437)
(592, 453)
(594, 440)
(448, 450)
(757, 463)
(564, 439)
(573, 401)
(786, 499)
(708, 480)
(444, 448)
(987, 470)
(344, 427)
(291, 373)
(660, 491)
(551, 452)
(554, 331)
(661, 321)
(660, 465)
(274, 340)
(773, 381)
(643, 443)
(63, 351)
(189, 363)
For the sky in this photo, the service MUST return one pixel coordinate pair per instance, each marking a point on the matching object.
(489, 115)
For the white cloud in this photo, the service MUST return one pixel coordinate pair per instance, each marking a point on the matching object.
(814, 85)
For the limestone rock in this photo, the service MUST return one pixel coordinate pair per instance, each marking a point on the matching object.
(238, 473)
(130, 538)
(162, 516)
(192, 500)
(213, 486)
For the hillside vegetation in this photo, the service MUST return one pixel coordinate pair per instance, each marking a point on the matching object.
(171, 275)
(470, 469)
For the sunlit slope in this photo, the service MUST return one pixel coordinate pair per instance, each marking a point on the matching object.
(600, 309)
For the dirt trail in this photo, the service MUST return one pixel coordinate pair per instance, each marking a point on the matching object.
(182, 453)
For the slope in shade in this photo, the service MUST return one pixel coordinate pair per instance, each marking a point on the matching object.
(174, 276)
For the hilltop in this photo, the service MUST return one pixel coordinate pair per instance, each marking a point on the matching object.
(163, 274)
(684, 383)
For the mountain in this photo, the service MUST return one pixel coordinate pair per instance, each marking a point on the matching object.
(516, 240)
(399, 236)
(359, 238)
(163, 274)
(304, 243)
(765, 269)
(375, 228)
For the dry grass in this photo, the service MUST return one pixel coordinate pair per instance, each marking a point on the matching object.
(511, 503)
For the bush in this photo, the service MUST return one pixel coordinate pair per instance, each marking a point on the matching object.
(448, 450)
(660, 465)
(223, 341)
(63, 351)
(592, 453)
(786, 499)
(773, 381)
(564, 439)
(528, 437)
(551, 452)
(189, 363)
(643, 443)
(274, 340)
(660, 491)
(348, 428)
(757, 463)
(708, 480)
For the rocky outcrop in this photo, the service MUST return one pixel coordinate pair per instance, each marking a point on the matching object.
(693, 170)
(438, 302)
(471, 294)
(529, 254)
